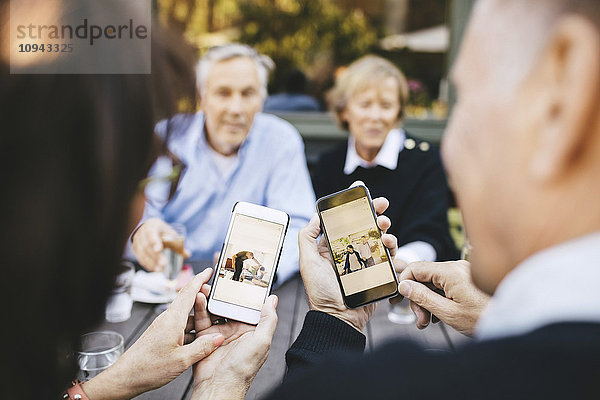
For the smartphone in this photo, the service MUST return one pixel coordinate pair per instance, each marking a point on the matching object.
(362, 263)
(248, 262)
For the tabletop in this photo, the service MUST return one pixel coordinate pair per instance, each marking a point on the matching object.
(291, 309)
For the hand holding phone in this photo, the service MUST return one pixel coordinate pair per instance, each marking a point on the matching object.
(248, 262)
(320, 281)
(362, 263)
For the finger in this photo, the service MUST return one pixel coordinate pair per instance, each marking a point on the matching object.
(434, 272)
(423, 316)
(268, 322)
(357, 183)
(201, 347)
(307, 237)
(190, 323)
(185, 300)
(391, 243)
(396, 300)
(147, 257)
(383, 223)
(186, 254)
(201, 316)
(154, 242)
(428, 299)
(205, 290)
(189, 338)
(380, 204)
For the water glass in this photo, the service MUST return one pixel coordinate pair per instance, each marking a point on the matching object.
(401, 313)
(118, 307)
(97, 352)
(173, 250)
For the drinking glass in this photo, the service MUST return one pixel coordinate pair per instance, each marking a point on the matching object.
(98, 351)
(173, 251)
(118, 307)
(401, 313)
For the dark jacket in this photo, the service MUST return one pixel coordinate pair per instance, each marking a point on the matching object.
(417, 191)
(560, 361)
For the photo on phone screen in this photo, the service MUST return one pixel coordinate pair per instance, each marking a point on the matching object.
(360, 257)
(364, 269)
(248, 262)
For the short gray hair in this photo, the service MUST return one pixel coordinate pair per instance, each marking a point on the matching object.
(264, 64)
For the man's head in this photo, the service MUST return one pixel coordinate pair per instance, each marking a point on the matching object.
(522, 148)
(350, 248)
(232, 83)
(364, 239)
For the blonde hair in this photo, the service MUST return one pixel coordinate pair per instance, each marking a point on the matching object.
(359, 75)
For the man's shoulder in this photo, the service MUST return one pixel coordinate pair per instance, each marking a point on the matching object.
(556, 361)
(276, 130)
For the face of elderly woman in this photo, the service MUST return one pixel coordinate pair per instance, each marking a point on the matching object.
(371, 113)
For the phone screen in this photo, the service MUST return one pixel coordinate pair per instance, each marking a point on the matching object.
(360, 258)
(248, 261)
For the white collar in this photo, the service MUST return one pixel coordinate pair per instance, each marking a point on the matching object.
(558, 284)
(386, 157)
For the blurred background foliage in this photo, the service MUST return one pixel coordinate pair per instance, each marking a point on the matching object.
(319, 36)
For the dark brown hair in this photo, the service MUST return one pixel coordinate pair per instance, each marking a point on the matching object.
(72, 150)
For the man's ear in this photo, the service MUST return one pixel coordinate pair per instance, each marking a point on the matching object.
(568, 77)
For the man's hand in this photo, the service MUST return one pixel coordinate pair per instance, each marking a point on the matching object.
(162, 353)
(228, 372)
(460, 302)
(148, 246)
(318, 271)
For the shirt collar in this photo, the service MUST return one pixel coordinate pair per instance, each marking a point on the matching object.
(386, 157)
(559, 284)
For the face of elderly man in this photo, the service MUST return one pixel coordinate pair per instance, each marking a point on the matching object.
(230, 99)
(518, 148)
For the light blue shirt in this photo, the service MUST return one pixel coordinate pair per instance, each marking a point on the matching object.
(270, 170)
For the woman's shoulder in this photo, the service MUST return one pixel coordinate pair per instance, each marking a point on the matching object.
(419, 150)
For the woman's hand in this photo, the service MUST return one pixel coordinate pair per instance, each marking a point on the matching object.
(228, 372)
(162, 353)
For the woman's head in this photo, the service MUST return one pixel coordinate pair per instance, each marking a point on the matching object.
(368, 99)
(74, 148)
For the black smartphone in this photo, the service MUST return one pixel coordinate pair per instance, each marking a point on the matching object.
(362, 263)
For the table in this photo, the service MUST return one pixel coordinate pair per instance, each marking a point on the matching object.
(291, 309)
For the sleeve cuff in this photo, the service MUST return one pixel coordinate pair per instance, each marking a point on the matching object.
(416, 251)
(322, 334)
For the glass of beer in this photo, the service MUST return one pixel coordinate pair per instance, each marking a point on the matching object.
(173, 250)
(98, 351)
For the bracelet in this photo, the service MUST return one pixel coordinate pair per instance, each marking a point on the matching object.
(75, 392)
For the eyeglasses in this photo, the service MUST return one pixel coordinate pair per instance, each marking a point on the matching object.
(172, 177)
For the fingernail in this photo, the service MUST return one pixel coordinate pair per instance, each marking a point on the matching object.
(405, 288)
(218, 339)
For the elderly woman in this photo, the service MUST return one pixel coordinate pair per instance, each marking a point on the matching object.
(368, 100)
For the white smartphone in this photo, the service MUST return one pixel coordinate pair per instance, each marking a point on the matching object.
(248, 262)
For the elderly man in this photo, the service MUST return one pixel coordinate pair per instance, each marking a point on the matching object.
(523, 153)
(231, 153)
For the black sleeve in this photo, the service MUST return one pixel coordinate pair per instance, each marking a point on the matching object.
(429, 210)
(321, 334)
